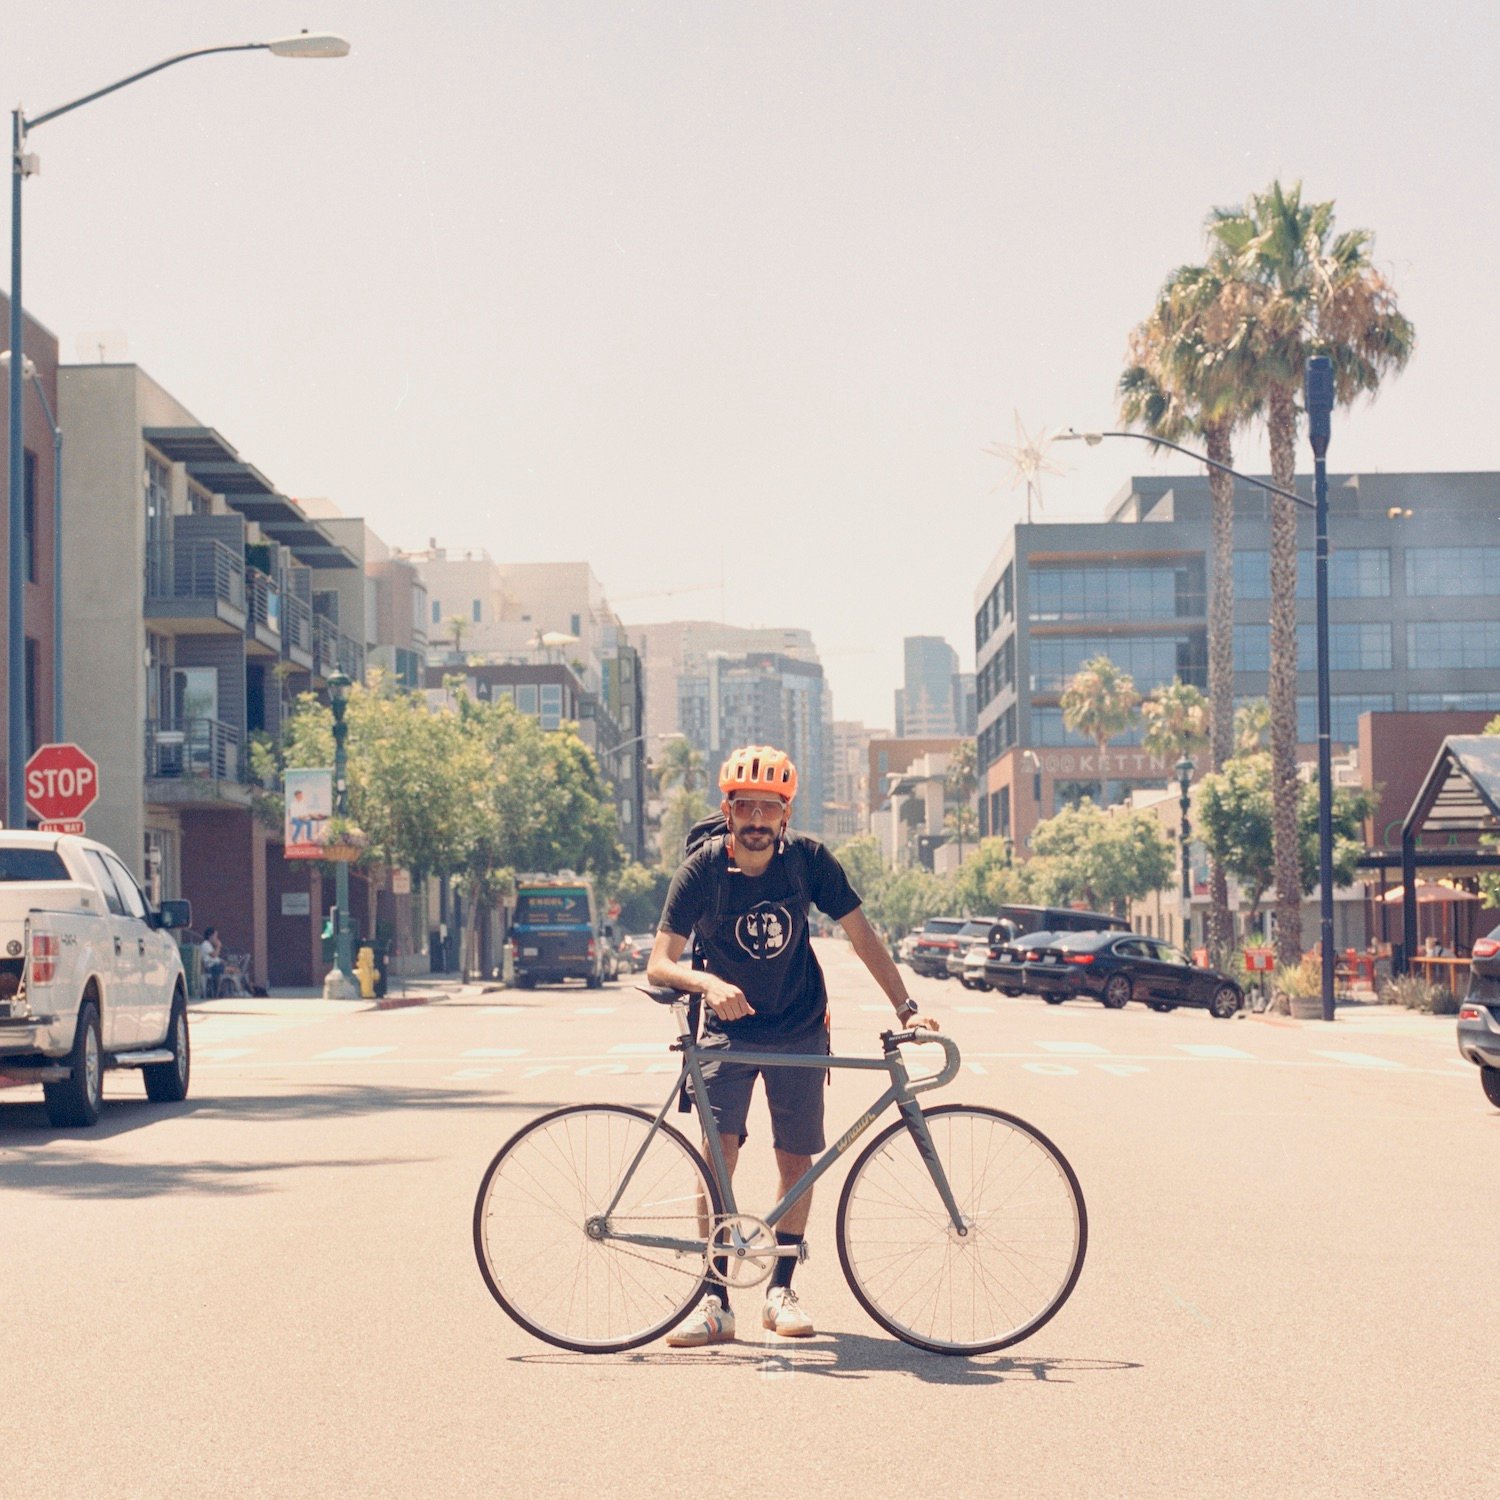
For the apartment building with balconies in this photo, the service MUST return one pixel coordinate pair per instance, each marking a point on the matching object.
(198, 609)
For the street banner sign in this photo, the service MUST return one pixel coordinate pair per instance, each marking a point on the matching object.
(62, 783)
(309, 806)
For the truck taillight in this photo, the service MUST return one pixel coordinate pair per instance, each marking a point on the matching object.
(1486, 948)
(44, 951)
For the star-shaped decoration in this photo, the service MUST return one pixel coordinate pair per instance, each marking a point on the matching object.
(1028, 459)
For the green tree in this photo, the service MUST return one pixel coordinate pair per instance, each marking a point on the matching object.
(1099, 858)
(1252, 727)
(961, 824)
(1177, 721)
(1099, 701)
(960, 782)
(681, 767)
(683, 808)
(863, 863)
(907, 898)
(1296, 288)
(641, 891)
(992, 878)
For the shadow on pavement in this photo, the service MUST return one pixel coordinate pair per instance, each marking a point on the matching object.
(66, 1175)
(25, 1122)
(851, 1356)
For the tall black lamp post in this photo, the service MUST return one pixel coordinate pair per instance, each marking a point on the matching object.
(1185, 768)
(340, 984)
(1319, 401)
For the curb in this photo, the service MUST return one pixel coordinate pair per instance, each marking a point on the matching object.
(401, 1002)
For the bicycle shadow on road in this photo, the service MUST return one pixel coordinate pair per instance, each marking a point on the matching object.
(852, 1356)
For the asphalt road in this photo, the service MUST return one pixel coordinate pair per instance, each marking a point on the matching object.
(270, 1290)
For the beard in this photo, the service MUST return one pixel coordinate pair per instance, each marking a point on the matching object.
(756, 838)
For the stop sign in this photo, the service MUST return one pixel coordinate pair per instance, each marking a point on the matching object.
(61, 783)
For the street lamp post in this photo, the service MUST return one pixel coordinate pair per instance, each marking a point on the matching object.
(31, 373)
(1185, 768)
(340, 984)
(1319, 395)
(24, 164)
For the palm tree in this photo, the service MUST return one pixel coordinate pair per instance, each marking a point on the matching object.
(457, 624)
(1252, 727)
(959, 785)
(1293, 289)
(1184, 380)
(681, 765)
(1177, 721)
(961, 824)
(1100, 702)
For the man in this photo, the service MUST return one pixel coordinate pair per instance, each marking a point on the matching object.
(746, 896)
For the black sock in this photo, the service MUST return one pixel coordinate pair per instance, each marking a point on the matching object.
(786, 1264)
(717, 1288)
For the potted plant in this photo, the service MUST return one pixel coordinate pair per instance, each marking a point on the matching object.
(343, 842)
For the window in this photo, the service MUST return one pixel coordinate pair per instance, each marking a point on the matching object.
(1252, 648)
(158, 485)
(551, 699)
(1344, 712)
(32, 864)
(32, 664)
(476, 610)
(1252, 575)
(1353, 573)
(1431, 703)
(1435, 644)
(576, 627)
(1118, 592)
(1047, 728)
(1152, 661)
(28, 519)
(1362, 646)
(437, 612)
(526, 697)
(130, 894)
(1453, 570)
(112, 897)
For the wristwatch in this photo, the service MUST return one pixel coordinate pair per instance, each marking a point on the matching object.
(906, 1010)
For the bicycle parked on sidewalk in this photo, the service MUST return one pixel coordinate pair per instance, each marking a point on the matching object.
(960, 1229)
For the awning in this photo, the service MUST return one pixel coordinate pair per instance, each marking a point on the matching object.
(215, 464)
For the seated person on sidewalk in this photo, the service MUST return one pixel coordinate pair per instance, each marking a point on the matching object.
(746, 895)
(212, 954)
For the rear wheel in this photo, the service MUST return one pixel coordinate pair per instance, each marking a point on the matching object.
(167, 1083)
(1117, 992)
(78, 1099)
(1161, 1005)
(1489, 1081)
(1025, 1232)
(1053, 999)
(548, 1257)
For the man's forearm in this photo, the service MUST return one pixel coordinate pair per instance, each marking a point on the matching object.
(676, 976)
(866, 943)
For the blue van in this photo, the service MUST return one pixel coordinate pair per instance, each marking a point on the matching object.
(555, 932)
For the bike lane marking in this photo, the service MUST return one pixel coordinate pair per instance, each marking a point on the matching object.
(1208, 1049)
(1360, 1059)
(1079, 1049)
(495, 1052)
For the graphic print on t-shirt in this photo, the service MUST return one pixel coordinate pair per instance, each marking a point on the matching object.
(764, 930)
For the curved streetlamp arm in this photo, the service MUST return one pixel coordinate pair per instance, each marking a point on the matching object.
(1142, 437)
(63, 109)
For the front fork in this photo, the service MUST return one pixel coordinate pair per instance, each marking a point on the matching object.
(916, 1125)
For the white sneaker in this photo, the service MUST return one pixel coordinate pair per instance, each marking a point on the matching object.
(783, 1314)
(713, 1323)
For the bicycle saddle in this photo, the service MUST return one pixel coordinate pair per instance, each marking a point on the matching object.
(660, 995)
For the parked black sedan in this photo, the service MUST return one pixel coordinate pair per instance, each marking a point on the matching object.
(1118, 967)
(1479, 1015)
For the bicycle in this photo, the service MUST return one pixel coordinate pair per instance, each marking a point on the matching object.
(960, 1229)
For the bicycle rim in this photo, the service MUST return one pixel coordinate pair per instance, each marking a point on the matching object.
(541, 1266)
(985, 1290)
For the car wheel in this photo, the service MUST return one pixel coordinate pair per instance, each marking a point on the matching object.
(1489, 1081)
(1225, 1003)
(1116, 994)
(1160, 1005)
(167, 1083)
(1012, 994)
(79, 1098)
(1053, 999)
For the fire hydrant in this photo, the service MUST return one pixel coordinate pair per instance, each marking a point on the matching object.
(366, 973)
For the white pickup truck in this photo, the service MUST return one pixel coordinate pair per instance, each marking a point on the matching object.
(90, 977)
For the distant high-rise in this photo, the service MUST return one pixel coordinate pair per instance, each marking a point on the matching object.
(928, 702)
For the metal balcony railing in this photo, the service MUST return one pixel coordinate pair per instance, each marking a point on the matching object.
(264, 601)
(195, 570)
(296, 624)
(194, 747)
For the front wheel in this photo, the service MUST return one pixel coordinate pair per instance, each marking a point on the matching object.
(551, 1260)
(1225, 1003)
(997, 1283)
(167, 1083)
(1489, 1081)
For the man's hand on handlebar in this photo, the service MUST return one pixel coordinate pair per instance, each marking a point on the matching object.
(922, 1023)
(727, 1001)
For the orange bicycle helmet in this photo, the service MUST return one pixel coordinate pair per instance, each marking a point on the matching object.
(759, 768)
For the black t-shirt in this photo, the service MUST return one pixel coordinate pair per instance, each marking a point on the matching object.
(760, 942)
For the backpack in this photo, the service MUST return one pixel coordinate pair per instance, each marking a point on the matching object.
(714, 832)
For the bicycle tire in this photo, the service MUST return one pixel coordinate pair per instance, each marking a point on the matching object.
(590, 1296)
(997, 1285)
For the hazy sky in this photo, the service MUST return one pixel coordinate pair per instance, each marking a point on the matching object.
(676, 286)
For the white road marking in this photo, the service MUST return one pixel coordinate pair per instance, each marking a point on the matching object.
(1119, 1069)
(351, 1054)
(975, 1067)
(1079, 1048)
(1360, 1060)
(975, 1010)
(495, 1052)
(1206, 1049)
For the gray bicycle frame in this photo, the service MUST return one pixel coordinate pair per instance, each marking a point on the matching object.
(902, 1093)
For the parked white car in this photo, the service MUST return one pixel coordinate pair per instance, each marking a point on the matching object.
(90, 977)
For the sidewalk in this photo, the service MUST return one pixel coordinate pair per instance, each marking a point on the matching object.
(418, 989)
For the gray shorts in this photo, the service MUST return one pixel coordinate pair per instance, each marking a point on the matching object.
(795, 1095)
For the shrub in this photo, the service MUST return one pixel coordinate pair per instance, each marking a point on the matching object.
(1416, 993)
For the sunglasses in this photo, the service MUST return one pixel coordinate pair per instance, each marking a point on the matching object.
(750, 809)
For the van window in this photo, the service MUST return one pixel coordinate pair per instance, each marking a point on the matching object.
(567, 905)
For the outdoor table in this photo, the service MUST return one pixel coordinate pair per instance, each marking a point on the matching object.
(1448, 972)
